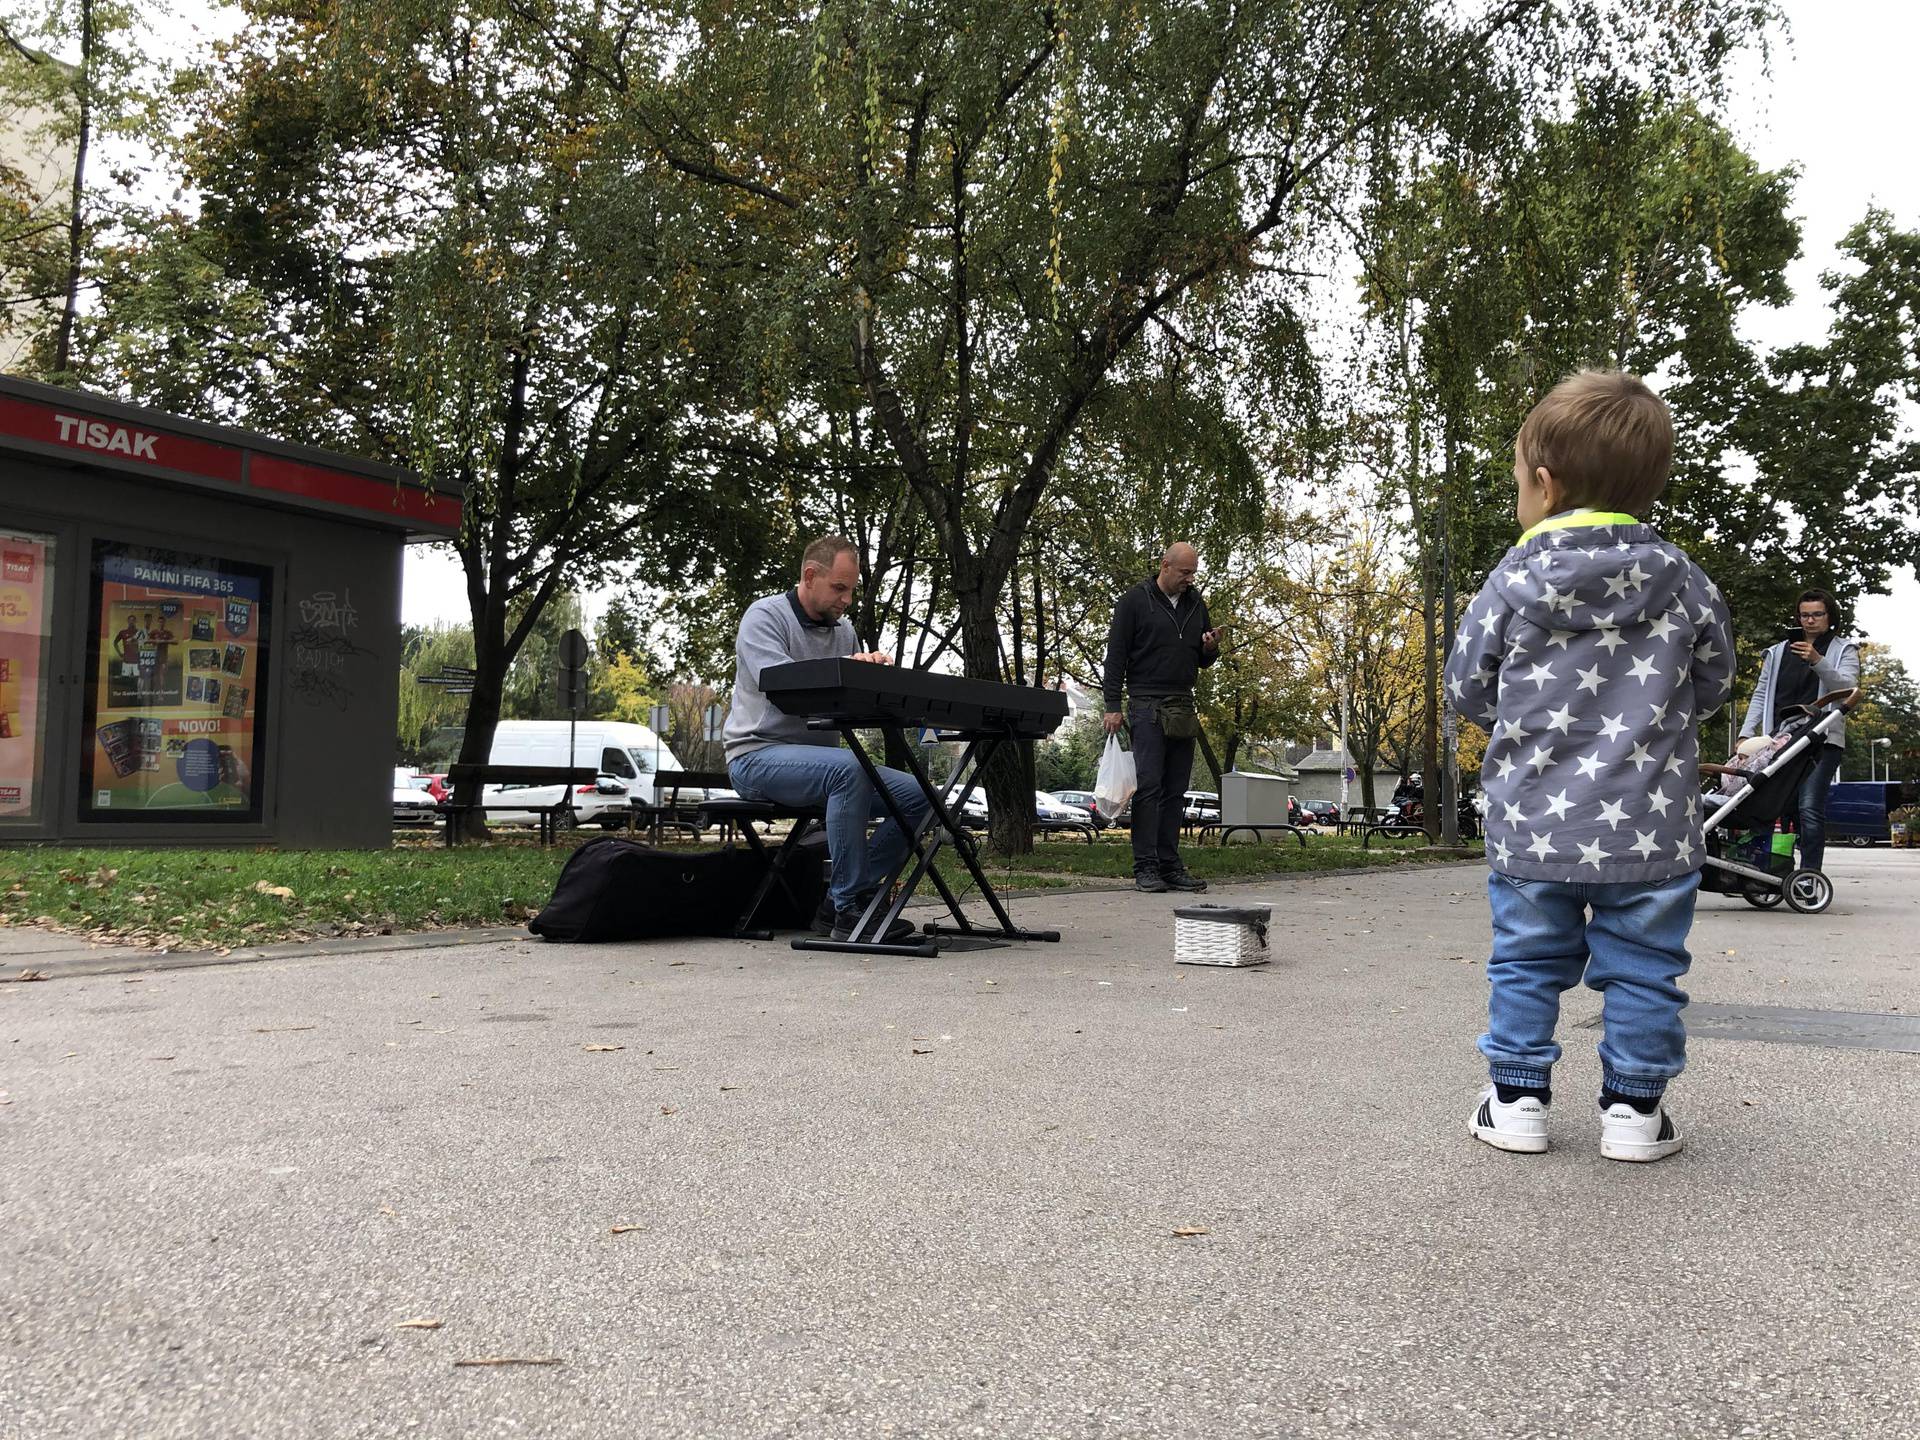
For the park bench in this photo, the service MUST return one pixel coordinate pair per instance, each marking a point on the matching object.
(1360, 818)
(551, 816)
(669, 809)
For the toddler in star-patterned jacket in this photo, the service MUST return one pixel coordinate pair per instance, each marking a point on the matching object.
(1590, 655)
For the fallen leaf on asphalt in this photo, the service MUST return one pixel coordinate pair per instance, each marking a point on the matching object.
(387, 1210)
(1747, 1102)
(672, 963)
(282, 1029)
(71, 1055)
(669, 1110)
(1185, 1232)
(509, 1360)
(25, 975)
(5, 1098)
(602, 1049)
(626, 1229)
(159, 1057)
(923, 1052)
(664, 1067)
(419, 1324)
(725, 1088)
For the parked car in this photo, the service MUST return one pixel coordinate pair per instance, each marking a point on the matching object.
(1857, 810)
(1082, 800)
(1051, 814)
(1318, 812)
(606, 803)
(438, 787)
(413, 802)
(974, 815)
(1202, 807)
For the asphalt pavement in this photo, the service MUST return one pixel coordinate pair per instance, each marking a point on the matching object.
(735, 1190)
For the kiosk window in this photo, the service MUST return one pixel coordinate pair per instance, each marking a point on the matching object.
(176, 670)
(26, 631)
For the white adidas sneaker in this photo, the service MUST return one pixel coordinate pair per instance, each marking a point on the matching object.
(1521, 1126)
(1626, 1134)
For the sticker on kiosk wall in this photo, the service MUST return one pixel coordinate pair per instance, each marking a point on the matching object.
(177, 659)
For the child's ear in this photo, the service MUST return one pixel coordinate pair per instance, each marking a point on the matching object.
(1548, 487)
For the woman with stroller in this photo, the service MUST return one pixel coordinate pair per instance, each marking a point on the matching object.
(1798, 672)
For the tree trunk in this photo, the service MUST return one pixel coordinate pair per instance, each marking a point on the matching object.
(490, 665)
(1009, 795)
(63, 343)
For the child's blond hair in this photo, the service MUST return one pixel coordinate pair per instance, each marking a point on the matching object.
(1604, 436)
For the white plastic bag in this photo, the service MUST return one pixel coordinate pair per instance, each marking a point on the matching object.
(1117, 779)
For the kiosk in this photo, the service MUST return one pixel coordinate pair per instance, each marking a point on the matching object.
(199, 629)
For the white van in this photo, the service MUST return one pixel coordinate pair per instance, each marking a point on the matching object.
(626, 757)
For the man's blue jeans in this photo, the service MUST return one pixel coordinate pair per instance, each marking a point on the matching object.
(1810, 825)
(1629, 942)
(829, 775)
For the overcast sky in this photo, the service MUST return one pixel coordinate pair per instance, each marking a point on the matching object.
(1837, 105)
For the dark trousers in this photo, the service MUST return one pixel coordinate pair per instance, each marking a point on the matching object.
(1162, 767)
(1809, 815)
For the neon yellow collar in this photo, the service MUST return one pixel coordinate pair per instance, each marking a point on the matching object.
(1567, 519)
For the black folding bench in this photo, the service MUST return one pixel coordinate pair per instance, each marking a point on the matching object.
(745, 815)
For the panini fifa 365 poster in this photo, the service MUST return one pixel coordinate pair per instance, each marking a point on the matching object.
(178, 656)
(25, 593)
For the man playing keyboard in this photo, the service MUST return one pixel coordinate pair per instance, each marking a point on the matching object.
(774, 757)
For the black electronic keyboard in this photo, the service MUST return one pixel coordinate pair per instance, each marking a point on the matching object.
(859, 692)
(855, 695)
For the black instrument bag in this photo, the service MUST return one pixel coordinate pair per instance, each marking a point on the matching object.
(613, 888)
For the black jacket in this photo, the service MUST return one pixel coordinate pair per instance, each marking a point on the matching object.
(1153, 647)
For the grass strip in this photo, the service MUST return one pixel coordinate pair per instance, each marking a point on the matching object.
(184, 899)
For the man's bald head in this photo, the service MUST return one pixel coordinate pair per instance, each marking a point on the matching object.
(1177, 568)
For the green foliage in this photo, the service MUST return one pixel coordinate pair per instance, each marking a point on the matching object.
(1071, 758)
(1889, 711)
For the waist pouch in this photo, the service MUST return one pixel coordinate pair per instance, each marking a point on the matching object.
(1177, 717)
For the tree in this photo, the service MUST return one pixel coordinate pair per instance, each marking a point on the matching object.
(55, 110)
(987, 208)
(422, 236)
(1889, 710)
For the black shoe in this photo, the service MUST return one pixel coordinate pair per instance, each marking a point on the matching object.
(1149, 881)
(898, 933)
(1183, 879)
(823, 916)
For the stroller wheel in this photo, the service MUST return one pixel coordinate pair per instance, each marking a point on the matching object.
(1809, 892)
(1761, 898)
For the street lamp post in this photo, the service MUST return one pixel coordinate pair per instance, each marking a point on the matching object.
(1885, 742)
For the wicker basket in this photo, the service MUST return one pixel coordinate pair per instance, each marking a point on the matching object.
(1221, 934)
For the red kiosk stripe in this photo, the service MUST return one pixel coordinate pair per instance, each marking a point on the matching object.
(383, 497)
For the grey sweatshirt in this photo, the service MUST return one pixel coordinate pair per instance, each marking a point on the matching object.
(1589, 656)
(772, 632)
(1838, 669)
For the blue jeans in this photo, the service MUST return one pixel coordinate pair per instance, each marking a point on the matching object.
(828, 775)
(1810, 822)
(1632, 948)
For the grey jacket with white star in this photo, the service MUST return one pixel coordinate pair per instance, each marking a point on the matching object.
(1589, 657)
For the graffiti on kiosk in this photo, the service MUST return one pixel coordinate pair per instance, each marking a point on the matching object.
(326, 610)
(323, 652)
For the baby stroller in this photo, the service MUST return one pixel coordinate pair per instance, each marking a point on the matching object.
(1744, 857)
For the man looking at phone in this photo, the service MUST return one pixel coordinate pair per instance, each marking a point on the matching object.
(1160, 637)
(1812, 661)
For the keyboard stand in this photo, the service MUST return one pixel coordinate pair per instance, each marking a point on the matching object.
(941, 828)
